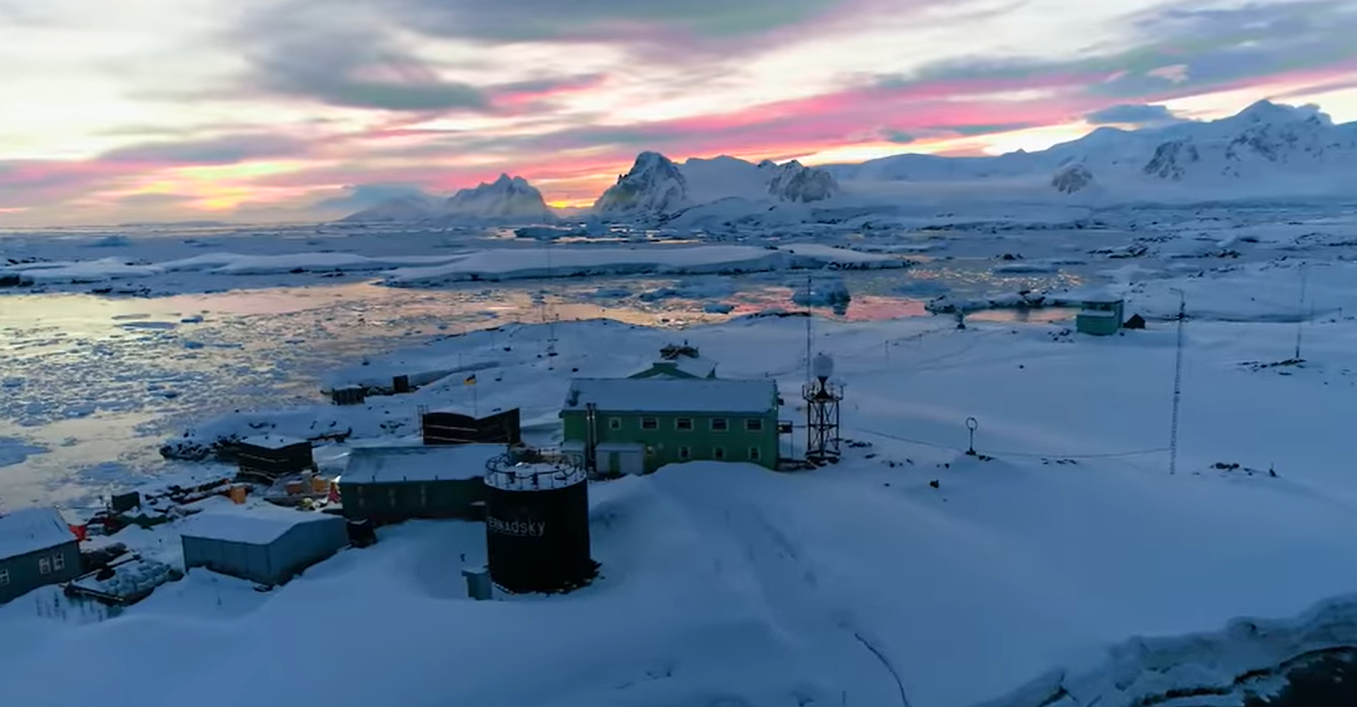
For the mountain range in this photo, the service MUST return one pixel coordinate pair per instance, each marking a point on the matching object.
(1265, 151)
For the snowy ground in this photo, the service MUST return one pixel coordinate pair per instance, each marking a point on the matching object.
(726, 582)
(1018, 575)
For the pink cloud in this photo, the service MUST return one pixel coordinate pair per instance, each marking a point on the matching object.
(517, 97)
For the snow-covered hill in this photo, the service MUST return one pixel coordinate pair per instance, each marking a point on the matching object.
(1265, 150)
(507, 200)
(657, 187)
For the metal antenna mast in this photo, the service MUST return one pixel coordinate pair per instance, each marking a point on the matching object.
(1177, 382)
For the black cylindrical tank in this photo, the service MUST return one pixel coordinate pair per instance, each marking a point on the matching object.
(537, 526)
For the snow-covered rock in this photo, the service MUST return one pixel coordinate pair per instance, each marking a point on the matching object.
(726, 188)
(654, 186)
(1072, 178)
(793, 181)
(506, 199)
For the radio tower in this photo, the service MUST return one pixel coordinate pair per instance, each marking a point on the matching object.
(1177, 383)
(822, 413)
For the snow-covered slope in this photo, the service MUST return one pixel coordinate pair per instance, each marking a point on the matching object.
(508, 200)
(399, 210)
(1265, 150)
(657, 187)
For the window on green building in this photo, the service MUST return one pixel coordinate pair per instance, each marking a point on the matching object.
(719, 424)
(754, 425)
(718, 453)
(753, 454)
(650, 423)
(683, 423)
(614, 423)
(4, 577)
(685, 453)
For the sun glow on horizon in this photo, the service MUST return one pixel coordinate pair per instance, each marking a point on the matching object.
(171, 109)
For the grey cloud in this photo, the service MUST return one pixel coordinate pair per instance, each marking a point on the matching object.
(896, 136)
(315, 53)
(1132, 113)
(344, 72)
(223, 150)
(986, 129)
(606, 20)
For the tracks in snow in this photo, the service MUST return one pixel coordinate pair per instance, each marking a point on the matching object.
(778, 574)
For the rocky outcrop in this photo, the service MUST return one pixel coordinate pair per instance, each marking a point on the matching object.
(795, 182)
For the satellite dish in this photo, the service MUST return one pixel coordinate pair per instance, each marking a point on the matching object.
(822, 366)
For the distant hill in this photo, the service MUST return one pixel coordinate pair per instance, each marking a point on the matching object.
(507, 200)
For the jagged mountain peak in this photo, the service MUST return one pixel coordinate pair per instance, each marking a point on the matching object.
(795, 182)
(653, 185)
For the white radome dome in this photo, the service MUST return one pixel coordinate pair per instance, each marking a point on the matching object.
(822, 366)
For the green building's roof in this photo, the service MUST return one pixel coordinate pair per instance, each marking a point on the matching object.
(672, 395)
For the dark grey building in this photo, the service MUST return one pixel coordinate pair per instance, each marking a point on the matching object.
(394, 484)
(265, 458)
(268, 545)
(37, 548)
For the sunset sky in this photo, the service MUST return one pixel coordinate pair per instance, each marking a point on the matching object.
(255, 110)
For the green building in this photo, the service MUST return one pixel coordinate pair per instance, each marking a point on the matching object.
(637, 425)
(1101, 315)
(395, 484)
(679, 362)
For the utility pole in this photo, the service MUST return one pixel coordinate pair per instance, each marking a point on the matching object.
(808, 337)
(1300, 310)
(1177, 382)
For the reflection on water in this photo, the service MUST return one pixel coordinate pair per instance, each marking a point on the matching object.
(1045, 315)
(101, 382)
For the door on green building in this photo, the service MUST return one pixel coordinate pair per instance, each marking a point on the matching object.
(623, 458)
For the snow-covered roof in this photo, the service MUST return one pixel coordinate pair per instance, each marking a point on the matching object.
(697, 367)
(253, 526)
(672, 395)
(272, 441)
(32, 529)
(376, 465)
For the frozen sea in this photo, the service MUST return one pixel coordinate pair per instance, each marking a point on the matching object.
(99, 370)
